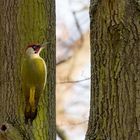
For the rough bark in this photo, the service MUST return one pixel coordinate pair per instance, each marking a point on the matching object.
(115, 70)
(23, 22)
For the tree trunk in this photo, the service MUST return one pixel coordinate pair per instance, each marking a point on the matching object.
(115, 70)
(24, 22)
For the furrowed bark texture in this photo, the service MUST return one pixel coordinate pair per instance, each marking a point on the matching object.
(51, 64)
(23, 22)
(115, 69)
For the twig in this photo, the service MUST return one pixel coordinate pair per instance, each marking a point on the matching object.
(79, 123)
(76, 123)
(63, 61)
(78, 27)
(76, 81)
(61, 133)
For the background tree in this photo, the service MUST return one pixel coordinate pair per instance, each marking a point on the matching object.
(24, 22)
(115, 70)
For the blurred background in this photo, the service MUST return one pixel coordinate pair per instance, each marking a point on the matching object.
(73, 68)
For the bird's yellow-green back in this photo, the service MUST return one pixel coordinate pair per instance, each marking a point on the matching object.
(33, 76)
(33, 72)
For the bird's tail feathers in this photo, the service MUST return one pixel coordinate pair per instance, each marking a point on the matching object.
(30, 113)
(31, 107)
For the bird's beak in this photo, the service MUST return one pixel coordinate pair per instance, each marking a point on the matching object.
(44, 45)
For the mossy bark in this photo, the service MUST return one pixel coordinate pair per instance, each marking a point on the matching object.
(24, 22)
(115, 70)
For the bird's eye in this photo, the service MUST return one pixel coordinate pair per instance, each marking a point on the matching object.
(34, 47)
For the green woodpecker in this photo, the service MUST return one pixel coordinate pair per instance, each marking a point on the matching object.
(33, 73)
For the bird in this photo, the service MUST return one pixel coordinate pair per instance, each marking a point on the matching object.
(33, 78)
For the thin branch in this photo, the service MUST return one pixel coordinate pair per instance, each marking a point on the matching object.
(76, 81)
(63, 61)
(80, 123)
(86, 7)
(76, 123)
(78, 27)
(61, 134)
